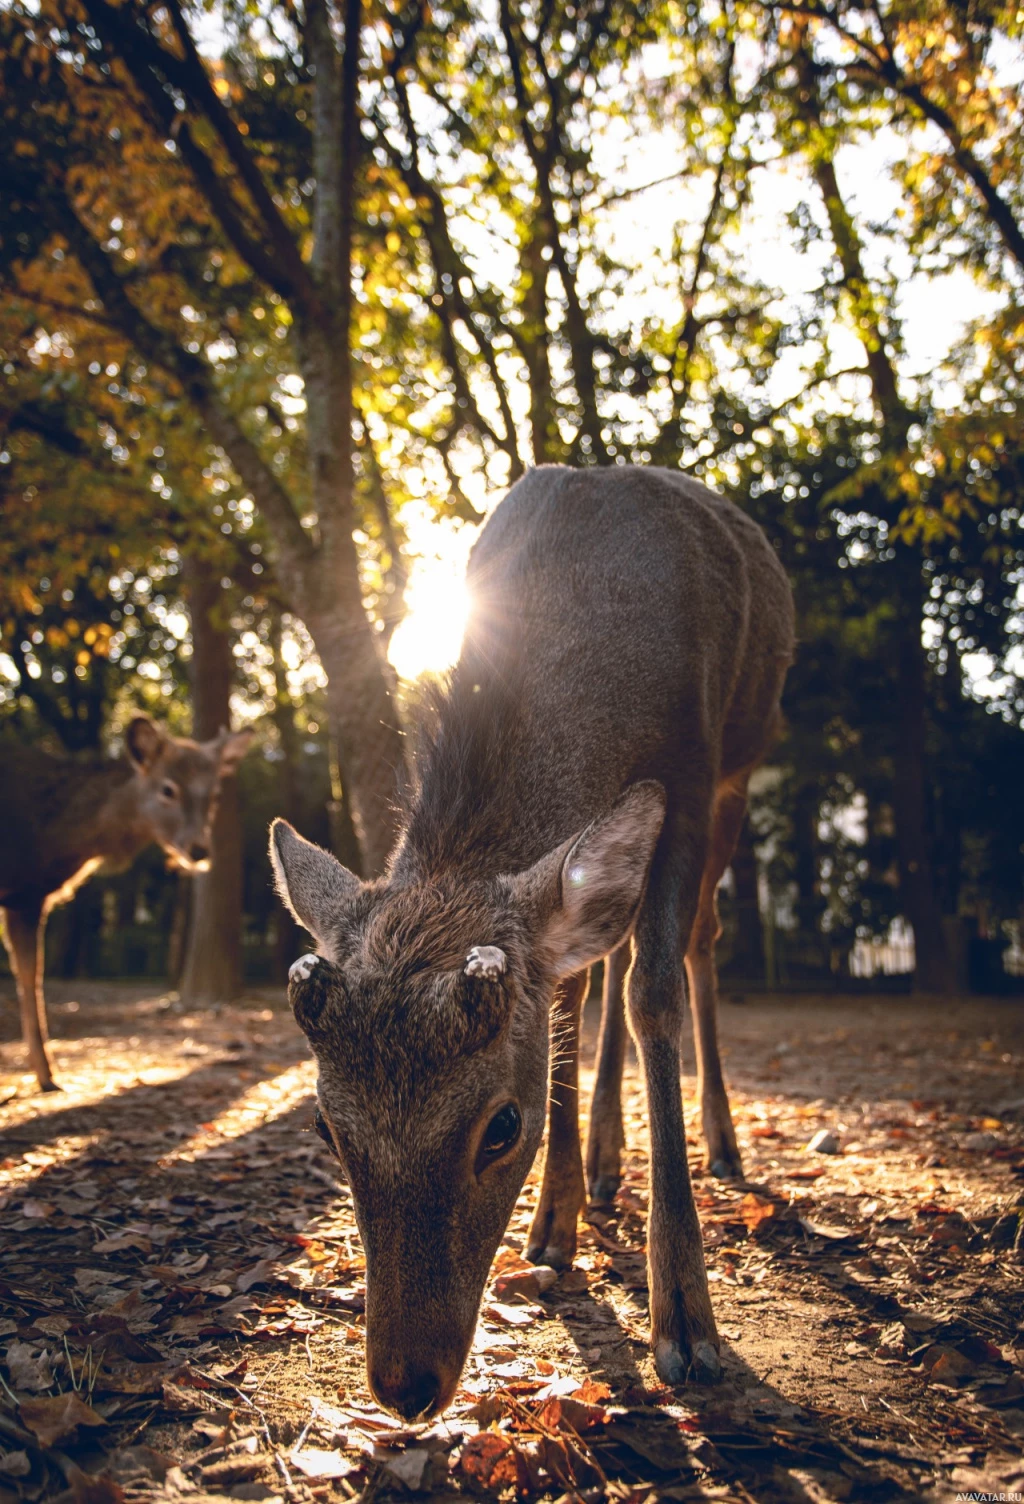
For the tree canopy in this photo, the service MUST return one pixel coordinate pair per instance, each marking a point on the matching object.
(281, 278)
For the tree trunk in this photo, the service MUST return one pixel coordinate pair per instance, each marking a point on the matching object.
(288, 936)
(934, 968)
(339, 812)
(919, 893)
(748, 955)
(316, 563)
(178, 929)
(212, 971)
(364, 723)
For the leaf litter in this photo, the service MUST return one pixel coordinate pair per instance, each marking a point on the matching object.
(182, 1287)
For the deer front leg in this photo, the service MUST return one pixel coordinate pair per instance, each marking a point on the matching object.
(683, 1332)
(23, 934)
(606, 1137)
(553, 1233)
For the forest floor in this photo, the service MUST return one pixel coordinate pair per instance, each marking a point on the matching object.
(181, 1281)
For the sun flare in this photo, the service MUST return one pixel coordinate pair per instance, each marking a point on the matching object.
(429, 637)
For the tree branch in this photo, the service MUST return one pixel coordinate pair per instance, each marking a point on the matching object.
(449, 272)
(220, 200)
(882, 68)
(195, 378)
(150, 65)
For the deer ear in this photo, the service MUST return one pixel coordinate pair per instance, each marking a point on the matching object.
(230, 749)
(144, 741)
(588, 893)
(310, 881)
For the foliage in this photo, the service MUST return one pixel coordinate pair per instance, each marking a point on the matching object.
(173, 246)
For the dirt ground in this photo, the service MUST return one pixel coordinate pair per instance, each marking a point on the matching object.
(181, 1282)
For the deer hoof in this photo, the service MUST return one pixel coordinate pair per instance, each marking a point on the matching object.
(49, 1086)
(670, 1363)
(725, 1169)
(552, 1256)
(603, 1189)
(704, 1367)
(302, 969)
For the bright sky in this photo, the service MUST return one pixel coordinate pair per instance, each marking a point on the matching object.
(934, 312)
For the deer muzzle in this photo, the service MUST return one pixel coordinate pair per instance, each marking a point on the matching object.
(414, 1375)
(420, 1324)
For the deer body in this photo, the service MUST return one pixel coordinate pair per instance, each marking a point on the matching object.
(60, 820)
(620, 676)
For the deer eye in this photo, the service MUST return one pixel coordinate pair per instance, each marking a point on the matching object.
(168, 789)
(502, 1131)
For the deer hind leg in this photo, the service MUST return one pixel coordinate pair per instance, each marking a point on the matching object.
(552, 1237)
(606, 1136)
(723, 1155)
(23, 935)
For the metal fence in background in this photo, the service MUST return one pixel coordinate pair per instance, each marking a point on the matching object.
(794, 949)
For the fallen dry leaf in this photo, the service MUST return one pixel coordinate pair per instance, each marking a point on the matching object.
(122, 1240)
(29, 1367)
(52, 1326)
(15, 1464)
(527, 1284)
(261, 1273)
(755, 1211)
(510, 1315)
(51, 1420)
(951, 1369)
(822, 1230)
(88, 1489)
(316, 1462)
(568, 1413)
(409, 1466)
(488, 1461)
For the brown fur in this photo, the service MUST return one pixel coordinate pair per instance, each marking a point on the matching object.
(620, 675)
(60, 820)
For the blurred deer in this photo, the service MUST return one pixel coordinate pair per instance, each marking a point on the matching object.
(583, 786)
(60, 820)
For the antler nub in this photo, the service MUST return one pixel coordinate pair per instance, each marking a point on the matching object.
(302, 969)
(486, 961)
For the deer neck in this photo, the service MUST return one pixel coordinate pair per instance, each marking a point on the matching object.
(118, 830)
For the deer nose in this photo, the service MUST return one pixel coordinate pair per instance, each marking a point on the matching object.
(412, 1395)
(198, 852)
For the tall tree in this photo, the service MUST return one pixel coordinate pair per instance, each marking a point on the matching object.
(130, 79)
(869, 319)
(212, 971)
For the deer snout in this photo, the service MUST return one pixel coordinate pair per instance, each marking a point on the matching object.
(414, 1375)
(199, 852)
(411, 1391)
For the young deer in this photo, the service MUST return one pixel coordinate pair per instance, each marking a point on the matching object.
(60, 820)
(584, 783)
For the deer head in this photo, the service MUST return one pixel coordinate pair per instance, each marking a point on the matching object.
(426, 1010)
(176, 782)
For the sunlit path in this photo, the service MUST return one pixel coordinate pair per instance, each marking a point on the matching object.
(196, 1235)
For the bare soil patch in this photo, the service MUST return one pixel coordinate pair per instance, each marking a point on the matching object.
(181, 1281)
